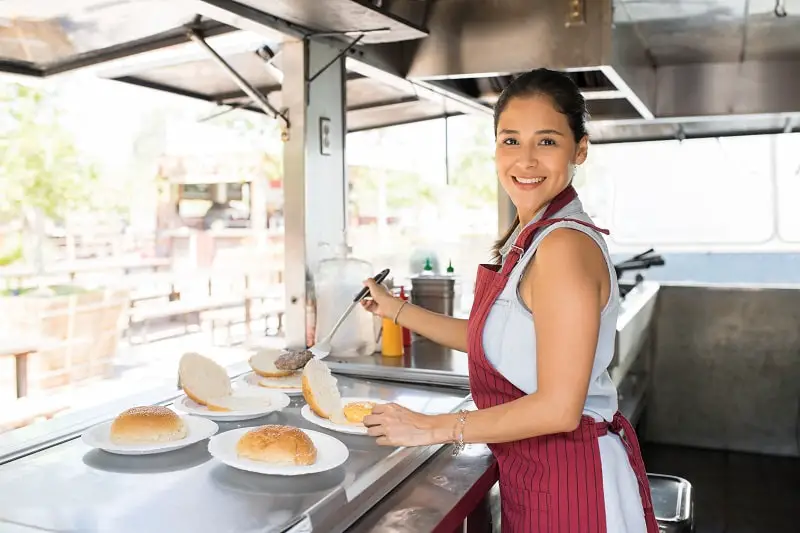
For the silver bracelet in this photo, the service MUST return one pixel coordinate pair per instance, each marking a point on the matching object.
(458, 442)
(397, 314)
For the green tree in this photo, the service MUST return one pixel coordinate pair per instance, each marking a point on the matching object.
(407, 189)
(41, 169)
(472, 173)
(42, 172)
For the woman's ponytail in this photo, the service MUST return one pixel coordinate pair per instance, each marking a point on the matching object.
(498, 245)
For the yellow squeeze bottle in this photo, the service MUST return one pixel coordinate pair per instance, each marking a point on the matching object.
(392, 339)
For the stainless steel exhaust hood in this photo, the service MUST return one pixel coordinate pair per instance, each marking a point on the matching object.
(476, 45)
(681, 62)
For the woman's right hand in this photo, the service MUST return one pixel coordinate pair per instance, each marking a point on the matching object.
(380, 301)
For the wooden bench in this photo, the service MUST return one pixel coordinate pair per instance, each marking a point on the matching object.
(227, 318)
(159, 286)
(150, 297)
(139, 317)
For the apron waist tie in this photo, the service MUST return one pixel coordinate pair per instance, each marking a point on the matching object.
(624, 430)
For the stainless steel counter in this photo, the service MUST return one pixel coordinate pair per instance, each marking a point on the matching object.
(440, 495)
(634, 326)
(424, 362)
(70, 487)
(27, 440)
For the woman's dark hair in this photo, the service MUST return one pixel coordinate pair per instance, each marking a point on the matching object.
(566, 98)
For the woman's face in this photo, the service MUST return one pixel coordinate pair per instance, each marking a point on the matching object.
(534, 152)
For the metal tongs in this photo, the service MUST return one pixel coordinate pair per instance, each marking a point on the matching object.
(641, 261)
(322, 349)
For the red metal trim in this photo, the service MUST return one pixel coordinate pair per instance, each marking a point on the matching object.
(453, 520)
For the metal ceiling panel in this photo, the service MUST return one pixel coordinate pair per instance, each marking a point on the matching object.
(608, 132)
(368, 61)
(678, 32)
(753, 87)
(207, 78)
(44, 33)
(610, 109)
(381, 109)
(337, 16)
(723, 126)
(366, 92)
(395, 114)
(772, 38)
(371, 103)
(605, 132)
(687, 31)
(232, 42)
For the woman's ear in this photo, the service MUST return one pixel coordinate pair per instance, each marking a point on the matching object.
(582, 150)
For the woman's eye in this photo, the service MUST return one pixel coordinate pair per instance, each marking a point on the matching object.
(510, 142)
(547, 142)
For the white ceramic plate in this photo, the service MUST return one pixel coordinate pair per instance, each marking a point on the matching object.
(198, 429)
(331, 452)
(273, 401)
(352, 429)
(291, 385)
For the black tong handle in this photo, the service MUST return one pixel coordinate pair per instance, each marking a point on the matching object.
(378, 279)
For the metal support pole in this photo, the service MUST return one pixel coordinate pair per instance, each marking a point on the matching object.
(259, 99)
(447, 150)
(314, 170)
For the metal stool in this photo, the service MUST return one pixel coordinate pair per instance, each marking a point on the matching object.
(673, 503)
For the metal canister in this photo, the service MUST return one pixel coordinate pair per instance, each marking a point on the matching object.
(435, 293)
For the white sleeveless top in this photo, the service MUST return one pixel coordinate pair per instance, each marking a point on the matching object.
(509, 341)
(509, 338)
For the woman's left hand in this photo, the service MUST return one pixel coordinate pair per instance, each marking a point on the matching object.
(395, 425)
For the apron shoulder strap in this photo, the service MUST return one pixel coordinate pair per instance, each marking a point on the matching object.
(527, 235)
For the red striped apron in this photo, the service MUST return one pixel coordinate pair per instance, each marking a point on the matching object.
(551, 483)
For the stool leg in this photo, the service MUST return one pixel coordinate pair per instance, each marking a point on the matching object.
(480, 519)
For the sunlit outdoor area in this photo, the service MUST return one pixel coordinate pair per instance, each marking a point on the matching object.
(128, 237)
(138, 226)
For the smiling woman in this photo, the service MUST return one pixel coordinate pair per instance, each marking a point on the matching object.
(535, 159)
(528, 152)
(540, 338)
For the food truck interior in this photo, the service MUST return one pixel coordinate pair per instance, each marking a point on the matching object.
(709, 373)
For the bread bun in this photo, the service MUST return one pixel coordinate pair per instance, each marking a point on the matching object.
(321, 393)
(280, 445)
(202, 379)
(289, 382)
(238, 402)
(263, 364)
(147, 424)
(355, 412)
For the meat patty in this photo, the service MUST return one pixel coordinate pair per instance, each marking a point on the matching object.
(293, 360)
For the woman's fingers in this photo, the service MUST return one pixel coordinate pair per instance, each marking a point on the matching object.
(380, 409)
(376, 431)
(371, 285)
(370, 305)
